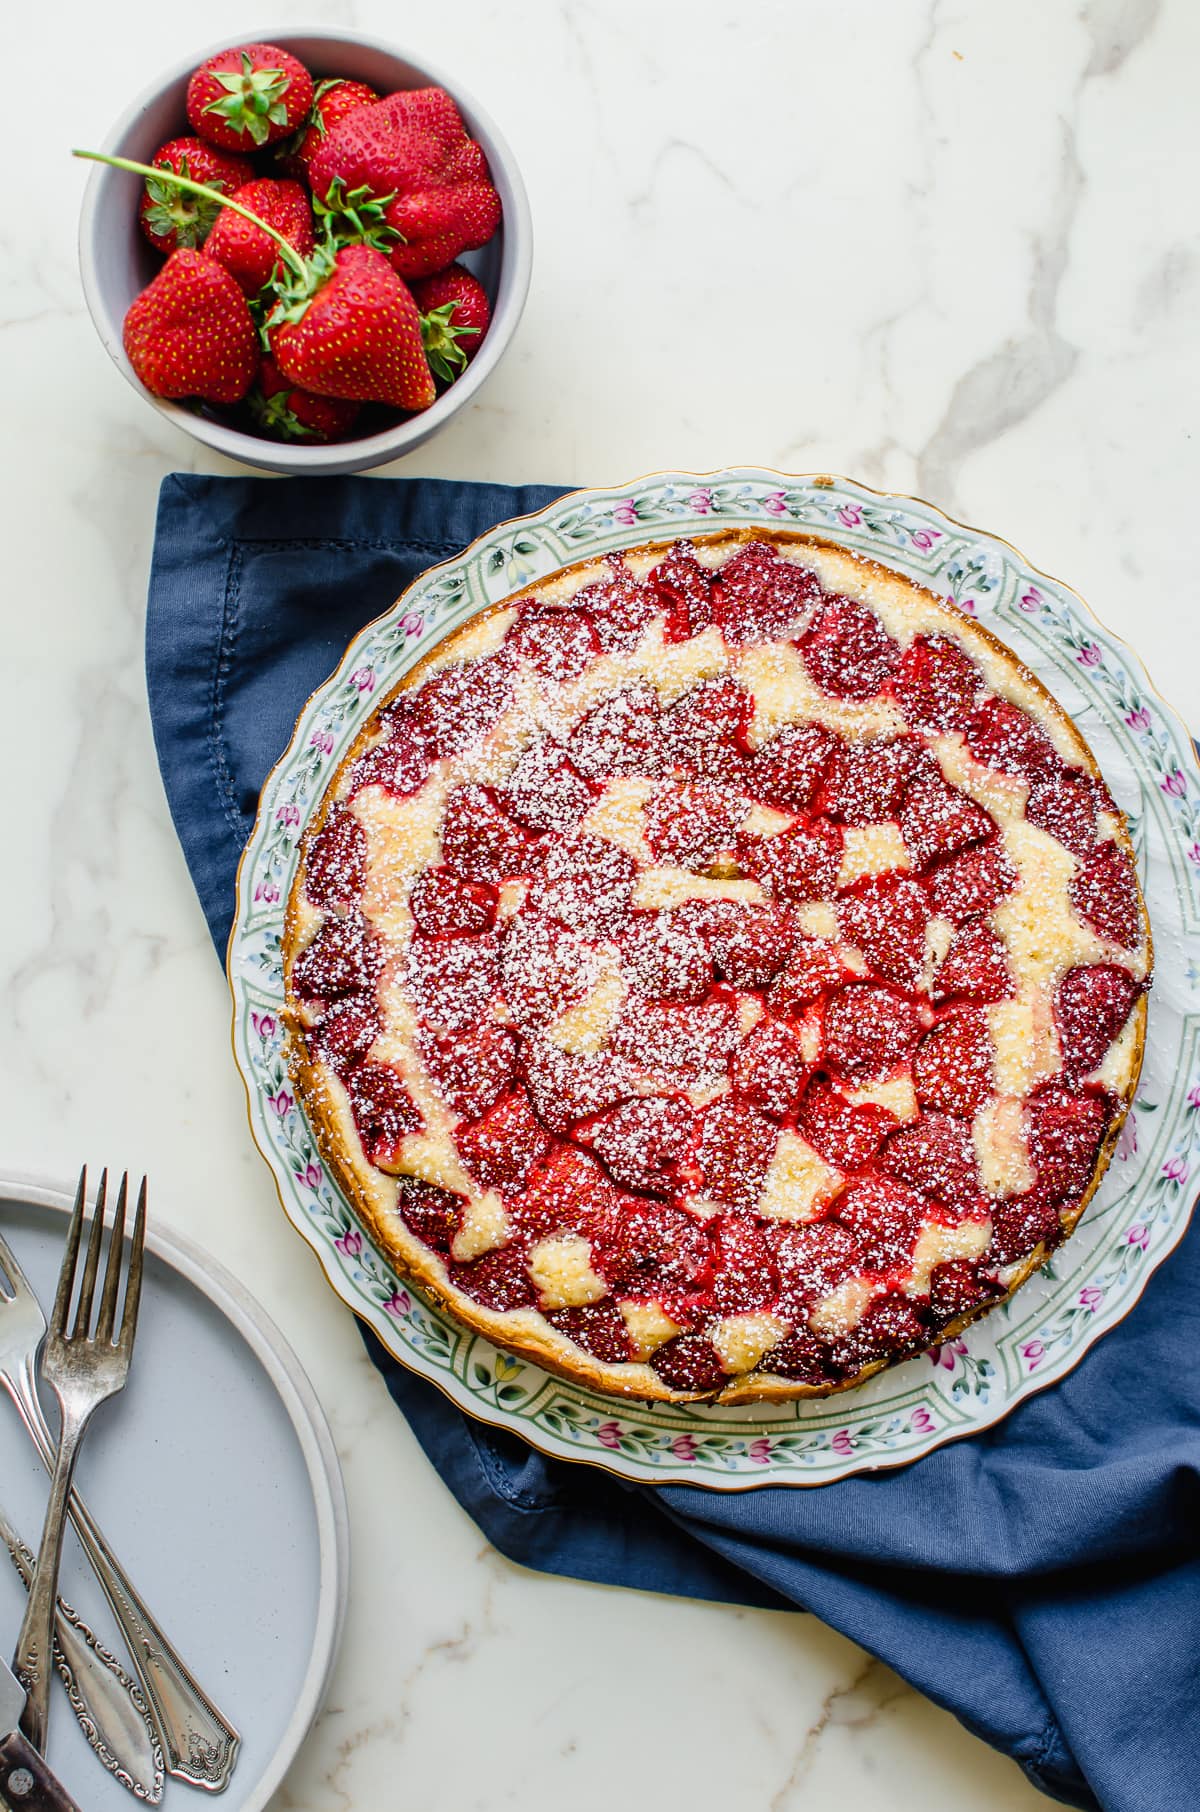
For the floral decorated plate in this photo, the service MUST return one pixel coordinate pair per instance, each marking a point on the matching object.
(1137, 1216)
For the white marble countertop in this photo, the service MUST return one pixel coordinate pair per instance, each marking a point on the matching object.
(944, 248)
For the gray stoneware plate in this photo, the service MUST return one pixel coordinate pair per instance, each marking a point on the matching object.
(215, 1479)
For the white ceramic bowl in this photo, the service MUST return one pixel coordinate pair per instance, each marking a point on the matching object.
(116, 261)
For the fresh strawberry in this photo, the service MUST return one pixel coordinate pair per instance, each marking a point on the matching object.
(1065, 1131)
(865, 781)
(847, 650)
(1103, 890)
(935, 684)
(972, 882)
(646, 1144)
(455, 313)
(283, 411)
(1067, 806)
(798, 864)
(952, 1065)
(845, 1135)
(787, 771)
(1091, 1006)
(885, 917)
(336, 868)
(936, 819)
(433, 1214)
(384, 1112)
(1002, 736)
(412, 151)
(502, 1149)
(868, 1031)
(975, 967)
(189, 332)
(473, 1069)
(769, 1068)
(1021, 1222)
(250, 255)
(736, 1148)
(248, 97)
(333, 100)
(351, 329)
(688, 825)
(647, 1248)
(173, 220)
(935, 1155)
(479, 841)
(891, 1324)
(759, 597)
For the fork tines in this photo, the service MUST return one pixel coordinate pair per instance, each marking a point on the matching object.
(106, 1322)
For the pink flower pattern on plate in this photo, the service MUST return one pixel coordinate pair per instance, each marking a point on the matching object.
(399, 1304)
(760, 1451)
(264, 1025)
(609, 1435)
(922, 1421)
(701, 502)
(412, 623)
(1175, 786)
(1031, 600)
(843, 1443)
(624, 514)
(924, 538)
(311, 1175)
(267, 891)
(684, 1448)
(363, 678)
(1033, 1352)
(323, 740)
(1138, 719)
(776, 503)
(850, 516)
(1126, 1146)
(282, 1103)
(1138, 1235)
(349, 1242)
(1090, 1297)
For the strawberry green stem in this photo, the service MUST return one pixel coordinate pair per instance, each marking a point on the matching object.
(290, 255)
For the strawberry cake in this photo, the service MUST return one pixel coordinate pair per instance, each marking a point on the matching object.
(717, 972)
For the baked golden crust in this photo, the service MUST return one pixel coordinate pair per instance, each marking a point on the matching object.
(374, 1194)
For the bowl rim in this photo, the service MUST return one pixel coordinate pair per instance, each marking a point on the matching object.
(516, 269)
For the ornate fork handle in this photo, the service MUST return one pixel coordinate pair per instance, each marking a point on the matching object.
(107, 1704)
(201, 1745)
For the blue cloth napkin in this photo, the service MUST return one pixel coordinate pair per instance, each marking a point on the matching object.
(1042, 1580)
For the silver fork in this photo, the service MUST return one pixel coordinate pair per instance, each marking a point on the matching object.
(84, 1367)
(200, 1744)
